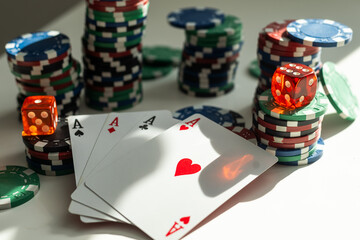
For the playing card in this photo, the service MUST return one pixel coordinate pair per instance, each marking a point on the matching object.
(150, 125)
(172, 182)
(91, 215)
(84, 130)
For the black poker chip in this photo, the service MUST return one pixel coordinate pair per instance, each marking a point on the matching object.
(59, 141)
(114, 29)
(44, 70)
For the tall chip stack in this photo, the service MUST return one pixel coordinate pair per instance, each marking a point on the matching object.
(211, 50)
(42, 65)
(287, 118)
(112, 53)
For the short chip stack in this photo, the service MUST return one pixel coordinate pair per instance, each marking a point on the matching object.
(296, 41)
(42, 65)
(275, 49)
(293, 136)
(212, 47)
(112, 53)
(50, 154)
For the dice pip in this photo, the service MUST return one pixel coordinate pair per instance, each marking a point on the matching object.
(294, 85)
(39, 115)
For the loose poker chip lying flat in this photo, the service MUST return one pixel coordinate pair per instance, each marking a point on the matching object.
(283, 152)
(196, 18)
(159, 55)
(311, 159)
(59, 141)
(38, 46)
(153, 72)
(17, 186)
(223, 117)
(51, 156)
(339, 92)
(315, 109)
(319, 32)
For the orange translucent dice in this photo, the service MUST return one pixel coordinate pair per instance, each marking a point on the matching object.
(294, 85)
(39, 115)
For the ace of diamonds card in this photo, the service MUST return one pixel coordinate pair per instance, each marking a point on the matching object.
(172, 182)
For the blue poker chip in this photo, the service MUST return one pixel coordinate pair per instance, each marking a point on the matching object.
(115, 24)
(223, 117)
(38, 46)
(319, 32)
(196, 18)
(284, 152)
(311, 159)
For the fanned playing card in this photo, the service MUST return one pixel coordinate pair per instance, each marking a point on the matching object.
(182, 175)
(149, 125)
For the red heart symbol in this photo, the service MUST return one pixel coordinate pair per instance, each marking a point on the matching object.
(185, 167)
(183, 127)
(185, 220)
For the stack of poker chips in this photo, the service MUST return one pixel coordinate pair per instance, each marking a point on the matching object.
(112, 53)
(293, 136)
(42, 65)
(275, 49)
(212, 47)
(50, 154)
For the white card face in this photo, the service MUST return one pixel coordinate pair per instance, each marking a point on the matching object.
(183, 174)
(89, 212)
(84, 130)
(149, 125)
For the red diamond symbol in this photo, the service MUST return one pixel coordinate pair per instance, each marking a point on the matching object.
(111, 130)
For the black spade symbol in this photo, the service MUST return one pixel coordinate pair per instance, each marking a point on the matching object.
(79, 133)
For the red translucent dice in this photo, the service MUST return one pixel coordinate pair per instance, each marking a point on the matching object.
(39, 115)
(294, 85)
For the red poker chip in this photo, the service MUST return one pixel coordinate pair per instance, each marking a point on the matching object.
(283, 140)
(113, 89)
(287, 53)
(210, 60)
(288, 145)
(53, 156)
(40, 63)
(284, 128)
(244, 133)
(112, 9)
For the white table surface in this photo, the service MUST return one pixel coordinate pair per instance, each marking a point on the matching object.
(320, 201)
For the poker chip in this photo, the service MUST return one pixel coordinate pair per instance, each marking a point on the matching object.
(17, 186)
(285, 123)
(161, 55)
(287, 145)
(244, 133)
(283, 152)
(38, 46)
(209, 57)
(313, 110)
(195, 18)
(112, 53)
(48, 167)
(49, 162)
(254, 69)
(50, 156)
(51, 173)
(297, 157)
(223, 117)
(59, 141)
(339, 92)
(315, 156)
(153, 72)
(319, 32)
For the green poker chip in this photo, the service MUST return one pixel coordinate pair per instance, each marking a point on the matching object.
(315, 109)
(254, 68)
(161, 55)
(297, 157)
(231, 26)
(153, 72)
(17, 186)
(339, 92)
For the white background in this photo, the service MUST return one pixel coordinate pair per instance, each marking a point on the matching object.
(318, 201)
